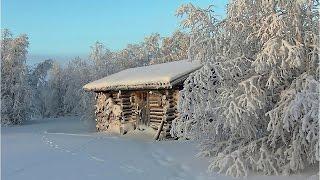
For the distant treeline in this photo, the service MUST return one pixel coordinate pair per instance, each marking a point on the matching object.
(50, 89)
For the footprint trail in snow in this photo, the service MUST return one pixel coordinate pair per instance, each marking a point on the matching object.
(179, 171)
(51, 143)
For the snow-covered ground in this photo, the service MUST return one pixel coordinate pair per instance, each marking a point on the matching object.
(69, 149)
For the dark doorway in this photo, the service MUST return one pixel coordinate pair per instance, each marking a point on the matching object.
(143, 108)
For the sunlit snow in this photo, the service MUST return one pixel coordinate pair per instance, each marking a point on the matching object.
(66, 148)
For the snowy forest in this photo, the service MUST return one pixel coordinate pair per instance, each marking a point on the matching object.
(253, 106)
(51, 89)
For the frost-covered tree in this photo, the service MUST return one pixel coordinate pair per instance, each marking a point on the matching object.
(254, 105)
(15, 91)
(173, 48)
(132, 56)
(77, 73)
(54, 94)
(152, 47)
(38, 84)
(102, 60)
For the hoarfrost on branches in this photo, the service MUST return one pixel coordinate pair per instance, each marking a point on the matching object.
(15, 90)
(254, 105)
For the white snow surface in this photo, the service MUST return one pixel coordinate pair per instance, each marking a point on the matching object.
(67, 148)
(153, 77)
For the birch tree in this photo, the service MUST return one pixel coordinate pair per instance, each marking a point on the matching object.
(172, 48)
(254, 105)
(15, 91)
(102, 60)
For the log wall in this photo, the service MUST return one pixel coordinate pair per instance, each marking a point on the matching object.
(123, 109)
(163, 108)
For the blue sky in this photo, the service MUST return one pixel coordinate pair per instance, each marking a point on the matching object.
(67, 28)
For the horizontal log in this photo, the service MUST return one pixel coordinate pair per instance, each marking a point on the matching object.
(156, 94)
(156, 113)
(155, 106)
(155, 119)
(154, 101)
(125, 106)
(126, 113)
(156, 116)
(155, 123)
(156, 109)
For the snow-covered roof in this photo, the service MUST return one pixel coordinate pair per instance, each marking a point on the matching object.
(158, 76)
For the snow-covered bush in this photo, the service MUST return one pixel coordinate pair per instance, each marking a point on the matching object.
(254, 105)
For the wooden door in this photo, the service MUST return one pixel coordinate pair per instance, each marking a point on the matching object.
(143, 108)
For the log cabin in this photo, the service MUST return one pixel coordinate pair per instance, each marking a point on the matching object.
(140, 97)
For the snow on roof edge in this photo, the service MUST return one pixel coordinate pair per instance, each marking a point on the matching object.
(158, 76)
